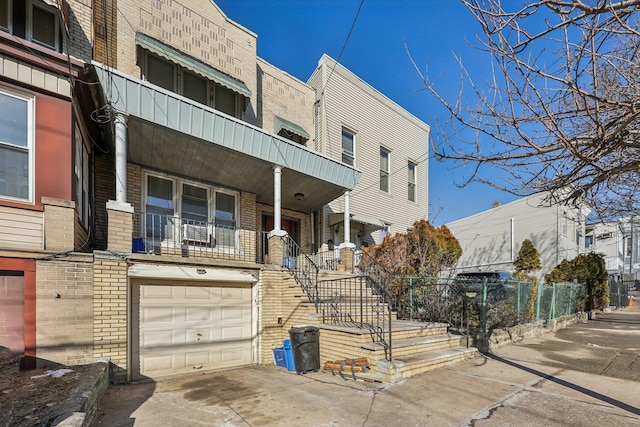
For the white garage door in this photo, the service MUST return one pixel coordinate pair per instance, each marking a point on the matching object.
(186, 328)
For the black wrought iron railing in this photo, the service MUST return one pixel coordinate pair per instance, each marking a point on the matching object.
(357, 301)
(378, 279)
(302, 267)
(178, 236)
(327, 260)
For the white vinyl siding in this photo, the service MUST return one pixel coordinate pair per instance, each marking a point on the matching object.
(492, 238)
(21, 229)
(348, 102)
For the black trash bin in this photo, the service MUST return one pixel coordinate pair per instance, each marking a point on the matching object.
(305, 342)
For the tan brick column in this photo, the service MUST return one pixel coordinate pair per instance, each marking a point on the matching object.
(110, 296)
(276, 250)
(346, 256)
(59, 224)
(120, 227)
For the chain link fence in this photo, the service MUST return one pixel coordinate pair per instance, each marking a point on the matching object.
(483, 305)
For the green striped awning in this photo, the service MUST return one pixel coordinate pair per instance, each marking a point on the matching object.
(192, 64)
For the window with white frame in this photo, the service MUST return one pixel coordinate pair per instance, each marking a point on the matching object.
(32, 20)
(180, 80)
(81, 177)
(411, 187)
(178, 209)
(16, 145)
(384, 169)
(348, 147)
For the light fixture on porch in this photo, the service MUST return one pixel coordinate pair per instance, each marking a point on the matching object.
(299, 196)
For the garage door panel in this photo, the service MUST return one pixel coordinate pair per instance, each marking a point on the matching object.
(158, 338)
(194, 326)
(162, 363)
(162, 292)
(198, 358)
(200, 293)
(198, 314)
(233, 355)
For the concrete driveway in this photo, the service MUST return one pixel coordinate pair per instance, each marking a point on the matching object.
(556, 380)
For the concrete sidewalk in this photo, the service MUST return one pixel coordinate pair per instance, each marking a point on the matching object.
(528, 384)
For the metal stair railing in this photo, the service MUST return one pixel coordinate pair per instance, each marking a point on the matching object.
(377, 277)
(357, 302)
(302, 268)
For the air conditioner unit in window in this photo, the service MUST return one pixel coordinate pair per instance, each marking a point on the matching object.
(197, 233)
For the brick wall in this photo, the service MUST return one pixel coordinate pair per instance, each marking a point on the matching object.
(104, 191)
(105, 46)
(197, 28)
(64, 310)
(110, 311)
(120, 226)
(282, 307)
(59, 224)
(285, 96)
(80, 27)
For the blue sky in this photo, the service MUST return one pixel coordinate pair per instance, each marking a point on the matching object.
(293, 35)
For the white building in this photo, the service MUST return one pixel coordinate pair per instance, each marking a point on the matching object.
(491, 239)
(360, 126)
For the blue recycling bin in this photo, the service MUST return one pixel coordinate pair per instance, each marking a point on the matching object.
(288, 355)
(290, 263)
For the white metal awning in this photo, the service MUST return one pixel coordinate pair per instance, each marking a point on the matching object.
(376, 224)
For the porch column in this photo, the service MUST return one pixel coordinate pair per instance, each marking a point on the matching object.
(347, 218)
(347, 223)
(277, 202)
(121, 157)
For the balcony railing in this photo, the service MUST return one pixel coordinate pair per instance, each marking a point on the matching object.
(157, 234)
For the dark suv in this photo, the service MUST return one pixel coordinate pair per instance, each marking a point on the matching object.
(498, 284)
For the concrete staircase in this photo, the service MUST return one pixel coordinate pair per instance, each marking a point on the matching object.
(417, 347)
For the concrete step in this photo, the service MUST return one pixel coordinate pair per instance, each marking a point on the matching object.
(417, 344)
(406, 366)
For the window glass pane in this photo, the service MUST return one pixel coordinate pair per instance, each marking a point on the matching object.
(194, 203)
(44, 27)
(14, 172)
(4, 14)
(225, 100)
(159, 195)
(194, 87)
(225, 208)
(225, 219)
(347, 147)
(14, 119)
(160, 72)
(384, 170)
(412, 182)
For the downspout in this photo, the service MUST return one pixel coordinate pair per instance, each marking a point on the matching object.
(513, 237)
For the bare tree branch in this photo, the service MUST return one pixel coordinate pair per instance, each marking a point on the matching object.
(561, 111)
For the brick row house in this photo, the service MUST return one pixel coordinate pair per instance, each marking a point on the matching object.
(157, 176)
